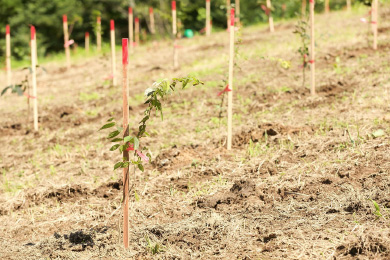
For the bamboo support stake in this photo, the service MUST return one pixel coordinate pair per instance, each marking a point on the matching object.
(270, 18)
(131, 31)
(230, 91)
(374, 22)
(349, 5)
(66, 40)
(174, 23)
(113, 59)
(8, 55)
(98, 34)
(208, 21)
(151, 18)
(327, 7)
(237, 6)
(137, 31)
(312, 50)
(87, 42)
(125, 91)
(303, 11)
(228, 6)
(34, 76)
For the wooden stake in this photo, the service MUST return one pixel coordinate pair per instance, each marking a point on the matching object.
(34, 76)
(137, 31)
(312, 50)
(303, 11)
(270, 18)
(113, 59)
(174, 34)
(131, 30)
(228, 7)
(208, 22)
(151, 18)
(230, 92)
(99, 34)
(237, 6)
(327, 7)
(349, 5)
(8, 55)
(374, 22)
(125, 91)
(87, 42)
(66, 40)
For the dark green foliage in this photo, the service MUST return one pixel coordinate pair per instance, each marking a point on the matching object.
(46, 15)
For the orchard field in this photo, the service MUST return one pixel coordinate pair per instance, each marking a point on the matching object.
(307, 176)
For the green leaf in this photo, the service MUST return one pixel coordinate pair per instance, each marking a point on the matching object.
(109, 120)
(136, 143)
(107, 126)
(116, 140)
(118, 165)
(141, 167)
(376, 205)
(127, 139)
(378, 133)
(114, 147)
(5, 90)
(113, 134)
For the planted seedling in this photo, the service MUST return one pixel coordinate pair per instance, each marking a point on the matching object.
(154, 96)
(301, 29)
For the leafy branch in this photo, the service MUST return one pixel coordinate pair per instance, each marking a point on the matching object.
(301, 29)
(154, 96)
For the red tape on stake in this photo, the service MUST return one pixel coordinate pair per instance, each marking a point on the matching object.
(64, 18)
(364, 20)
(311, 61)
(130, 10)
(178, 46)
(150, 10)
(86, 34)
(266, 10)
(99, 19)
(232, 17)
(7, 29)
(32, 30)
(69, 43)
(136, 20)
(28, 96)
(125, 51)
(227, 89)
(140, 154)
(311, 1)
(112, 25)
(109, 77)
(173, 5)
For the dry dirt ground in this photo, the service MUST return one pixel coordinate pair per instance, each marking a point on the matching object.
(300, 182)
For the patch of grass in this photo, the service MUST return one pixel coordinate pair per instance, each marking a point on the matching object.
(89, 96)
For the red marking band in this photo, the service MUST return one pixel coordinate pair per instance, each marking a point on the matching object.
(232, 17)
(136, 20)
(143, 156)
(109, 77)
(150, 10)
(125, 51)
(130, 10)
(227, 89)
(32, 30)
(64, 18)
(112, 25)
(86, 34)
(311, 61)
(28, 96)
(207, 0)
(177, 46)
(130, 148)
(173, 5)
(266, 10)
(7, 30)
(311, 1)
(99, 19)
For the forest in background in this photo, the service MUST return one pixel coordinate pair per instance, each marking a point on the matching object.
(46, 15)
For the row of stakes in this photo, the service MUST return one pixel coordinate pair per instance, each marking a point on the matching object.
(128, 45)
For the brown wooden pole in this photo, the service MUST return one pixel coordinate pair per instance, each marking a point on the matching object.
(34, 76)
(327, 9)
(237, 6)
(98, 34)
(230, 92)
(137, 43)
(66, 40)
(312, 50)
(208, 13)
(113, 57)
(131, 30)
(174, 32)
(374, 22)
(270, 18)
(125, 91)
(228, 7)
(8, 54)
(151, 18)
(303, 11)
(349, 5)
(87, 42)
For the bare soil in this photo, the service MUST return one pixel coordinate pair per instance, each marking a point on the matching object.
(299, 183)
